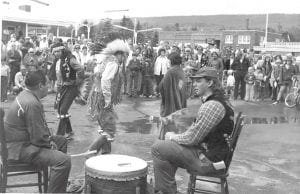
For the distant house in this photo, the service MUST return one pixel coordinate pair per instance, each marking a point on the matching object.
(222, 38)
(21, 20)
(247, 38)
(201, 37)
(279, 47)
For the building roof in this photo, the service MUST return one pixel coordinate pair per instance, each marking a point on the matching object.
(30, 18)
(252, 31)
(279, 47)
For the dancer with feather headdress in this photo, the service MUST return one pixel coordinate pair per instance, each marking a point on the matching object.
(106, 92)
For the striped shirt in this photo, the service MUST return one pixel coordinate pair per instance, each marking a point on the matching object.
(209, 116)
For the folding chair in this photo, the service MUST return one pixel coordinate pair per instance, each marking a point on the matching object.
(220, 178)
(10, 168)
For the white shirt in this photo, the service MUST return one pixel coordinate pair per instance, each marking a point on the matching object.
(19, 80)
(230, 81)
(108, 75)
(129, 58)
(44, 44)
(84, 58)
(4, 70)
(161, 65)
(78, 56)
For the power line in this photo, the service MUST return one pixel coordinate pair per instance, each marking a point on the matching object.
(121, 10)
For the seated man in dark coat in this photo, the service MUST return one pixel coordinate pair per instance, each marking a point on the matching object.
(29, 137)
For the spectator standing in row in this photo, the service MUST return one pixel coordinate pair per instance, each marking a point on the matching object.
(27, 45)
(138, 51)
(173, 87)
(14, 61)
(147, 72)
(44, 43)
(161, 66)
(230, 83)
(275, 78)
(134, 67)
(250, 81)
(267, 68)
(30, 60)
(286, 72)
(240, 65)
(217, 63)
(85, 57)
(259, 84)
(4, 80)
(77, 53)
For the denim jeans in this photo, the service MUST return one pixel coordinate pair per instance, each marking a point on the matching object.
(168, 156)
(58, 161)
(239, 81)
(282, 92)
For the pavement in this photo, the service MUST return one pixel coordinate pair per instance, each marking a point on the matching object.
(266, 160)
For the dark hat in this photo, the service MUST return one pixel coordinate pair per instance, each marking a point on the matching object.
(57, 46)
(206, 72)
(289, 58)
(175, 58)
(77, 46)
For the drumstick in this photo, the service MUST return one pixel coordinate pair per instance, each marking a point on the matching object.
(84, 153)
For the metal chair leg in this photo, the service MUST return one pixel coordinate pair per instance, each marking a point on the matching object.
(40, 181)
(45, 179)
(224, 186)
(4, 180)
(1, 179)
(192, 184)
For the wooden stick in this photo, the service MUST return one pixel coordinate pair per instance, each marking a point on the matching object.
(84, 153)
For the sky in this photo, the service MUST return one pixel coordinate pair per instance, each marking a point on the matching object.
(76, 10)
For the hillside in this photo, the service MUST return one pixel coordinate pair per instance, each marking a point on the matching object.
(228, 21)
(277, 22)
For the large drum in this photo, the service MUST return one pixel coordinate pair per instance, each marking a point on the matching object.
(115, 174)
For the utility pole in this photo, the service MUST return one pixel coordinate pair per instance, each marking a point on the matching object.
(135, 32)
(266, 32)
(40, 2)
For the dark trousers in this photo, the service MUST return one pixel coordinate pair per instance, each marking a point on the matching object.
(239, 80)
(168, 156)
(147, 86)
(67, 94)
(4, 81)
(158, 79)
(58, 161)
(14, 69)
(274, 93)
(133, 83)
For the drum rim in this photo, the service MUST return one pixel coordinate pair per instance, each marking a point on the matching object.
(118, 176)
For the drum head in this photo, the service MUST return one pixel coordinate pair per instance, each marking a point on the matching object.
(116, 166)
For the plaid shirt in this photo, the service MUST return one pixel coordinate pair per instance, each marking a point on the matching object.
(209, 116)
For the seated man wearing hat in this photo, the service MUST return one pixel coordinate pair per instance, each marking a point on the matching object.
(202, 147)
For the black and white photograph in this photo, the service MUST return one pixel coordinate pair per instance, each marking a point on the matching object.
(150, 97)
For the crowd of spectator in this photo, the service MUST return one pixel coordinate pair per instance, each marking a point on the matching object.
(245, 74)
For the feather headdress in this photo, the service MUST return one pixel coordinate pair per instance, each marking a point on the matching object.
(116, 45)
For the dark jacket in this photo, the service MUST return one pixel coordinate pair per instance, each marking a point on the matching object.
(241, 67)
(26, 127)
(173, 91)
